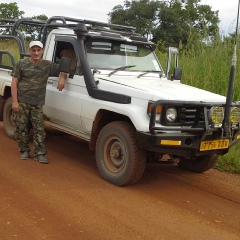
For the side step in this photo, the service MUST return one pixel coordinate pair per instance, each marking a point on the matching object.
(68, 130)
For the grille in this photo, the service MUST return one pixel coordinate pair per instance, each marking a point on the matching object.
(191, 116)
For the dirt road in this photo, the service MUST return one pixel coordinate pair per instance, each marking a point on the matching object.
(67, 199)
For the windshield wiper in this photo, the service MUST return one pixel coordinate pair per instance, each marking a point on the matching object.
(120, 68)
(148, 71)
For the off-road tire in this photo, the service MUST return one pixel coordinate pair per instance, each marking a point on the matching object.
(7, 118)
(118, 156)
(199, 164)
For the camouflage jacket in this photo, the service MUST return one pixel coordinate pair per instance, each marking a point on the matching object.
(32, 79)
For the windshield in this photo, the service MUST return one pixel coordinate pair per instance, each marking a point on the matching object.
(113, 54)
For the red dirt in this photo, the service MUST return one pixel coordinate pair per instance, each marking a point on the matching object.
(67, 199)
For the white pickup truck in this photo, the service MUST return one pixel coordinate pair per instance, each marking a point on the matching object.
(120, 100)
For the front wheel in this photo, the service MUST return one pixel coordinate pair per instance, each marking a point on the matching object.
(119, 158)
(7, 118)
(199, 164)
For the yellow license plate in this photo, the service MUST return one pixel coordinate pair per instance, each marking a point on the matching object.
(215, 144)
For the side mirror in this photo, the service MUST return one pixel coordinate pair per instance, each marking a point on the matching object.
(177, 74)
(65, 64)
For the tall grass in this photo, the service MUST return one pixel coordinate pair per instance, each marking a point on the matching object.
(11, 46)
(230, 162)
(206, 65)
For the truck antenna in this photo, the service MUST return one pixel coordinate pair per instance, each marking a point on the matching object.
(226, 125)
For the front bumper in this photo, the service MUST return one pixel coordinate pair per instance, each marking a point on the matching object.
(185, 145)
(185, 140)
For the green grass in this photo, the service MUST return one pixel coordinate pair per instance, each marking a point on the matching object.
(11, 46)
(209, 68)
(230, 162)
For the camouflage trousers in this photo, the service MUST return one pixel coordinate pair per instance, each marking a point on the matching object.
(30, 114)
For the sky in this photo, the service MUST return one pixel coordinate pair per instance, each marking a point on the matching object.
(98, 9)
(227, 13)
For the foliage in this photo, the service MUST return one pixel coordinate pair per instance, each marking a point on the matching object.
(170, 22)
(207, 66)
(12, 12)
(180, 19)
(140, 14)
(9, 11)
(12, 46)
(230, 161)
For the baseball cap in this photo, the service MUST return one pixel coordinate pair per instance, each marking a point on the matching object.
(35, 43)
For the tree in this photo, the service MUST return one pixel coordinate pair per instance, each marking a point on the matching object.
(140, 14)
(9, 11)
(180, 21)
(171, 29)
(172, 22)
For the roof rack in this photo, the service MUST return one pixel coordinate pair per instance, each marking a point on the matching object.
(56, 22)
(64, 22)
(68, 22)
(16, 23)
(91, 22)
(9, 23)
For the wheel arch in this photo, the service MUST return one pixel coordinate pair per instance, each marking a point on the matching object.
(102, 118)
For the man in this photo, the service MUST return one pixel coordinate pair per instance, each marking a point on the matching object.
(29, 80)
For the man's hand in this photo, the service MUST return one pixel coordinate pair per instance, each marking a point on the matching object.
(60, 84)
(15, 107)
(61, 81)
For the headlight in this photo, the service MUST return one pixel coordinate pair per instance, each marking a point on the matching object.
(216, 115)
(235, 115)
(171, 114)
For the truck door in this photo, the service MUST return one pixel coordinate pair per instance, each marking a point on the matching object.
(64, 107)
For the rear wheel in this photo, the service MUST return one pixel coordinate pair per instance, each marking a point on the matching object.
(119, 159)
(199, 164)
(7, 118)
